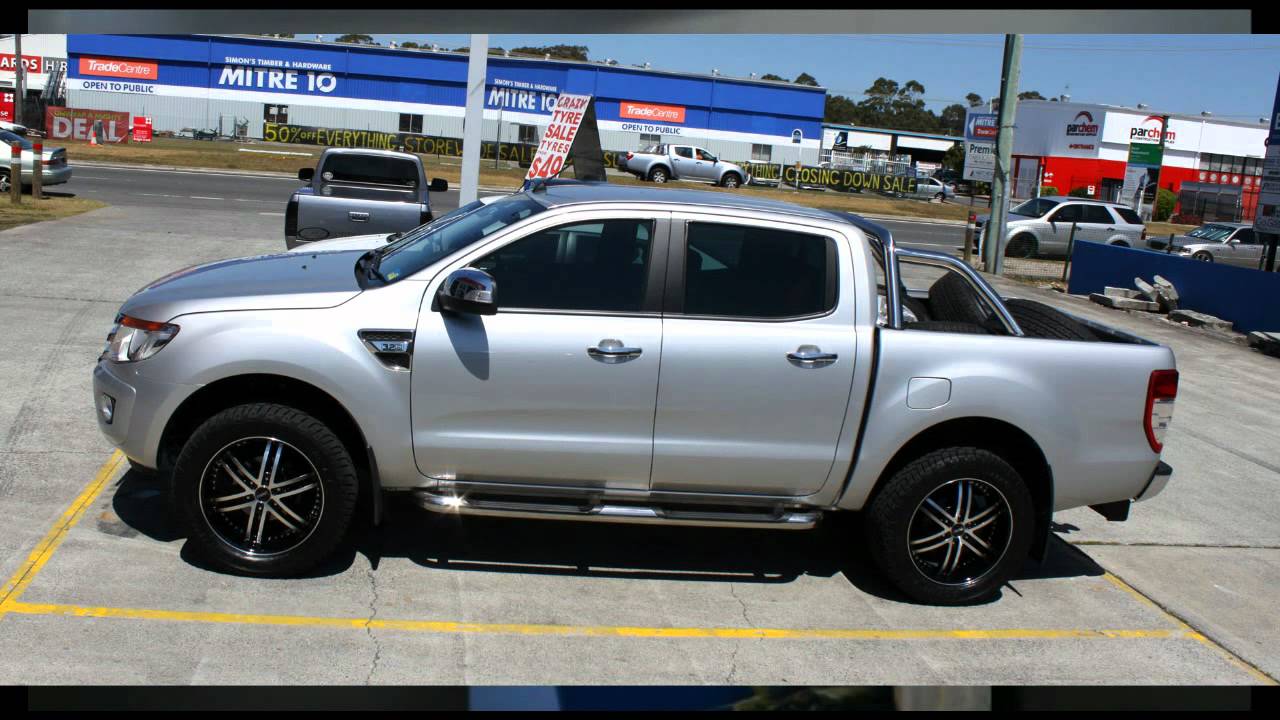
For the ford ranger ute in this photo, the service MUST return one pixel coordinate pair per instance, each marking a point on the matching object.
(582, 351)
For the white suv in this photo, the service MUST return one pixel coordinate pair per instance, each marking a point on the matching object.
(1043, 226)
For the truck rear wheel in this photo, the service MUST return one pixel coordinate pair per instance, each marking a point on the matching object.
(264, 489)
(658, 175)
(952, 526)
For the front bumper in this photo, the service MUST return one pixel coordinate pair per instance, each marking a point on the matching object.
(141, 409)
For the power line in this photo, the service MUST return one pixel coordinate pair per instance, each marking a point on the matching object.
(908, 40)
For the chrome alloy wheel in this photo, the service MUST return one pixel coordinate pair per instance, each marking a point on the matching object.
(960, 532)
(261, 496)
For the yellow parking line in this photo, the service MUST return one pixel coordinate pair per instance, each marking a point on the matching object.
(21, 579)
(1191, 632)
(445, 627)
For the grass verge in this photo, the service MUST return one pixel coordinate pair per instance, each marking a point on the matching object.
(51, 208)
(223, 155)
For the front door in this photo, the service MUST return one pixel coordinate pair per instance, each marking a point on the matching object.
(1243, 249)
(757, 359)
(682, 162)
(557, 388)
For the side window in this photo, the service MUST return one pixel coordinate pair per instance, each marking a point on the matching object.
(601, 266)
(1095, 214)
(1245, 236)
(1066, 213)
(751, 272)
(704, 155)
(684, 152)
(1128, 215)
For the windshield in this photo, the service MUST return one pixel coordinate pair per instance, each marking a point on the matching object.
(1035, 208)
(10, 138)
(451, 233)
(1211, 232)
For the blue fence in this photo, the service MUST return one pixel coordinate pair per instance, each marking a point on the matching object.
(1248, 298)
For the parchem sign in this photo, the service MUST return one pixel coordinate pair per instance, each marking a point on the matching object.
(1083, 124)
(1148, 131)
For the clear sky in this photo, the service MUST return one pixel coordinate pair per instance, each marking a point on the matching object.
(1233, 76)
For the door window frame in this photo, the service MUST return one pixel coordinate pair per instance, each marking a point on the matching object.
(673, 300)
(655, 282)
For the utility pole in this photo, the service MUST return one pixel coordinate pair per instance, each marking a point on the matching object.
(19, 79)
(993, 249)
(473, 121)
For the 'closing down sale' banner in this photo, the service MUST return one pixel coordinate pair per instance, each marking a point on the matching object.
(834, 178)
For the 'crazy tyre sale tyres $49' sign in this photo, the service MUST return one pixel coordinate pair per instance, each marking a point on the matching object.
(558, 138)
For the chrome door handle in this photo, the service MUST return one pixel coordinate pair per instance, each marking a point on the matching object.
(358, 216)
(810, 356)
(613, 351)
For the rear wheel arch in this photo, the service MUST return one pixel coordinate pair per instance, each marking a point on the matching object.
(236, 390)
(1004, 439)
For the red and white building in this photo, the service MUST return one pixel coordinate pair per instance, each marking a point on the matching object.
(1079, 145)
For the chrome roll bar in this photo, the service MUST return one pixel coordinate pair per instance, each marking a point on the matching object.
(893, 287)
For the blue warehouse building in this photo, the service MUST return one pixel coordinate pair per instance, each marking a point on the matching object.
(188, 82)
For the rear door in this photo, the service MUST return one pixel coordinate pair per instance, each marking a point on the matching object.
(757, 357)
(1099, 225)
(682, 162)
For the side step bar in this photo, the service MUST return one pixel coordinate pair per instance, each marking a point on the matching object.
(566, 509)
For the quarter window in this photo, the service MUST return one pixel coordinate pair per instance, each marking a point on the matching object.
(740, 271)
(1128, 215)
(1095, 214)
(600, 266)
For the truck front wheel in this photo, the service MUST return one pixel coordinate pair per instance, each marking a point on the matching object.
(731, 181)
(264, 489)
(952, 526)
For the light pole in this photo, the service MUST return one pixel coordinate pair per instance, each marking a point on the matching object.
(993, 249)
(473, 121)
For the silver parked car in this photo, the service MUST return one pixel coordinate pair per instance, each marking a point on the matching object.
(504, 360)
(1224, 242)
(1043, 226)
(54, 169)
(662, 162)
(931, 188)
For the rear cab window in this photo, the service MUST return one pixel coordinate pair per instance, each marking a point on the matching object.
(742, 271)
(393, 172)
(1128, 215)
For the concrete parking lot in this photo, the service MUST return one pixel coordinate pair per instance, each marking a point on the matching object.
(102, 589)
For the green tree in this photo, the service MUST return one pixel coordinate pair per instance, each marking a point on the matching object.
(411, 45)
(951, 120)
(974, 99)
(1031, 95)
(356, 38)
(806, 79)
(771, 76)
(953, 159)
(840, 109)
(557, 52)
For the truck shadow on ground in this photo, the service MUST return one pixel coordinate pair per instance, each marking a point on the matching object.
(583, 549)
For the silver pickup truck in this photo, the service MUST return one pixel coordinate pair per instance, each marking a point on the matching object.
(594, 352)
(662, 162)
(359, 192)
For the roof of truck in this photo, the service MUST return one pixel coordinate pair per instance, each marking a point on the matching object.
(556, 195)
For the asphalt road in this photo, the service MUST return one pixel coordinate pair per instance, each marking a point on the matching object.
(265, 197)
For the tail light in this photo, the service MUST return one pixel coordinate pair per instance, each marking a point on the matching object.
(630, 155)
(291, 217)
(1162, 390)
(1144, 233)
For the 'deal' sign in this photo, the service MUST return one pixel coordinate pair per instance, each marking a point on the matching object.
(558, 138)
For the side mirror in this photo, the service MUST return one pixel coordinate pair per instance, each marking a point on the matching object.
(468, 290)
(438, 185)
(306, 174)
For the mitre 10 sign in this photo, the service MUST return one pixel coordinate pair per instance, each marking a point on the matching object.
(558, 138)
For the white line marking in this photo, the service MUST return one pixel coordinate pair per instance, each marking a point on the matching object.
(158, 195)
(271, 213)
(202, 197)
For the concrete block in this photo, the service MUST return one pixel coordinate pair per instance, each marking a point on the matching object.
(1123, 303)
(1166, 294)
(1268, 343)
(1196, 319)
(1147, 290)
(1119, 292)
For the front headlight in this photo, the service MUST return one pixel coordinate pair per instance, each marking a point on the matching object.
(132, 339)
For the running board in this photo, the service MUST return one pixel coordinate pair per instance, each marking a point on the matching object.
(567, 509)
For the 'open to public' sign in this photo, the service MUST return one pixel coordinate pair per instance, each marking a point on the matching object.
(558, 138)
